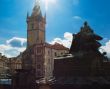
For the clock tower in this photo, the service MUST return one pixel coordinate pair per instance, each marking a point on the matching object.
(36, 26)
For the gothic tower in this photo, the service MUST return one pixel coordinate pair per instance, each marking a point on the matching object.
(36, 26)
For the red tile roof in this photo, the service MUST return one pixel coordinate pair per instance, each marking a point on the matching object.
(58, 46)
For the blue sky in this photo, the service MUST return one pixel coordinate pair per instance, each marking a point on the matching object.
(62, 16)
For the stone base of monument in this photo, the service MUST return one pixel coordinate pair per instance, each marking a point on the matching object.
(77, 86)
(81, 83)
(44, 86)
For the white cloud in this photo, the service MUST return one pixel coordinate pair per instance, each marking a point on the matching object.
(15, 40)
(106, 48)
(13, 47)
(66, 40)
(77, 18)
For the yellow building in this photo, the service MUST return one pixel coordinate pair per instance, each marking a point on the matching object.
(15, 63)
(3, 66)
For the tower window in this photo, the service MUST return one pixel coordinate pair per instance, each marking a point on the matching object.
(32, 26)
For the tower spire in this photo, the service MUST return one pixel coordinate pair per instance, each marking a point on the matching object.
(27, 14)
(37, 2)
(45, 15)
(36, 26)
(36, 9)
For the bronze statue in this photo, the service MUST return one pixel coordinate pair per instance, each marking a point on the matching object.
(84, 41)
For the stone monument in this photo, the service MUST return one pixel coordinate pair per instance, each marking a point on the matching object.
(83, 66)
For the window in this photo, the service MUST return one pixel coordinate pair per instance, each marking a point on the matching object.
(38, 73)
(32, 26)
(38, 50)
(61, 53)
(48, 52)
(55, 54)
(38, 58)
(49, 61)
(38, 66)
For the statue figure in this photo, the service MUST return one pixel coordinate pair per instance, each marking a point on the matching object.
(85, 47)
(84, 41)
(86, 62)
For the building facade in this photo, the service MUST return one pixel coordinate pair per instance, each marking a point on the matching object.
(40, 58)
(44, 55)
(39, 55)
(14, 64)
(4, 69)
(35, 26)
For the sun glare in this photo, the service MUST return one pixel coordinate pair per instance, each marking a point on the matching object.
(49, 2)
